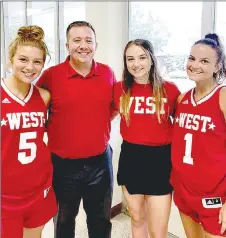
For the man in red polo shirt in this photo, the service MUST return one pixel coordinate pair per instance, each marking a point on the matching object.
(78, 134)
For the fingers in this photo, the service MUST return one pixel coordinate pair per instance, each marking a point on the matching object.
(222, 221)
(219, 218)
(223, 227)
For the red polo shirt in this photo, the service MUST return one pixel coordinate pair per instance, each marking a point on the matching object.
(79, 123)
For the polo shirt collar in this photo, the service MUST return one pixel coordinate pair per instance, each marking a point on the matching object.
(95, 70)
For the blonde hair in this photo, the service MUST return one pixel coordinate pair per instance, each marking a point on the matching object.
(29, 36)
(155, 80)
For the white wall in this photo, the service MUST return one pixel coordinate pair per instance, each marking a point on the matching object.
(110, 24)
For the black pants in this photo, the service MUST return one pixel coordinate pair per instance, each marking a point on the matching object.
(90, 179)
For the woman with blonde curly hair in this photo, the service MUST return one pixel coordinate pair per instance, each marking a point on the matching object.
(27, 198)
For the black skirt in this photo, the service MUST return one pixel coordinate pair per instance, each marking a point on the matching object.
(145, 169)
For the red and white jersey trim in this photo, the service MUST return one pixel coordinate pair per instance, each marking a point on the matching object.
(208, 96)
(15, 98)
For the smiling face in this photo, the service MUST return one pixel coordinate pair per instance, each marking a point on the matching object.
(138, 63)
(27, 63)
(202, 63)
(81, 44)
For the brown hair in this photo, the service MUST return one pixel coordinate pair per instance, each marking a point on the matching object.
(29, 36)
(213, 40)
(154, 79)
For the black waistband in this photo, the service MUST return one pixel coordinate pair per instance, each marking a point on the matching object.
(90, 160)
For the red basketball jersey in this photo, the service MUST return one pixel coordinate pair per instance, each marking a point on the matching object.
(26, 163)
(199, 142)
(144, 127)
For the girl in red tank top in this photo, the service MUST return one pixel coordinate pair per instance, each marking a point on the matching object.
(199, 143)
(27, 199)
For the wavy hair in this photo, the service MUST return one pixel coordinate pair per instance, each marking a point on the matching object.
(154, 79)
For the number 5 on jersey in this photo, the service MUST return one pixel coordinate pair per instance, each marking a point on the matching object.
(187, 159)
(24, 144)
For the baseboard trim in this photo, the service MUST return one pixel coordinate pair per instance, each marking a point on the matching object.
(116, 210)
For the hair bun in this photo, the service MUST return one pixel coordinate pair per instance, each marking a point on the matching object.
(35, 33)
(214, 37)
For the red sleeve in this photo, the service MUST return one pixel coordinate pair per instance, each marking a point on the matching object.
(114, 78)
(45, 80)
(117, 94)
(177, 91)
(176, 94)
(173, 93)
(114, 110)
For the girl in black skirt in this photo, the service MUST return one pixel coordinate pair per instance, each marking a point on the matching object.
(146, 103)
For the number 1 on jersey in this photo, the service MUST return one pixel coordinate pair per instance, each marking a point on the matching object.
(187, 159)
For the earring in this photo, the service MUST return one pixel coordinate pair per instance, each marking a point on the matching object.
(217, 77)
